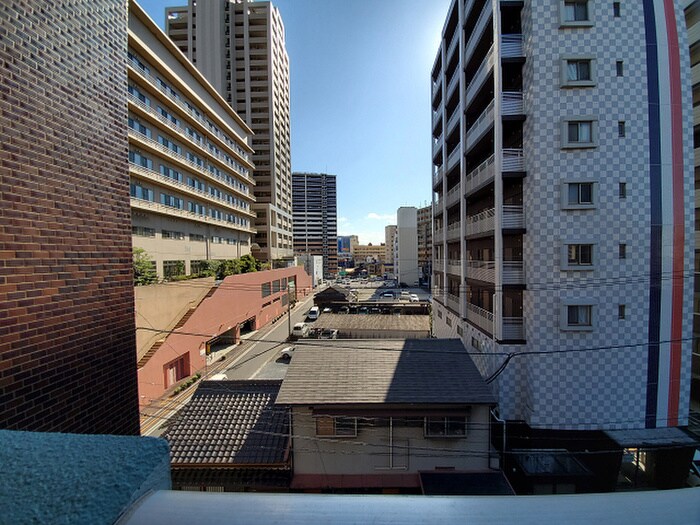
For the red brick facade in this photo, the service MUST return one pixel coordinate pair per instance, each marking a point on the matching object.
(67, 344)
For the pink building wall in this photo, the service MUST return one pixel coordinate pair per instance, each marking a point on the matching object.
(237, 299)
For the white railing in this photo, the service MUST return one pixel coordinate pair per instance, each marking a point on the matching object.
(512, 46)
(454, 266)
(481, 74)
(437, 144)
(453, 196)
(479, 317)
(513, 272)
(482, 271)
(437, 175)
(157, 207)
(513, 159)
(482, 222)
(437, 114)
(513, 328)
(480, 176)
(439, 202)
(452, 302)
(438, 264)
(453, 119)
(439, 234)
(185, 188)
(512, 103)
(453, 158)
(481, 125)
(453, 231)
(513, 217)
(477, 31)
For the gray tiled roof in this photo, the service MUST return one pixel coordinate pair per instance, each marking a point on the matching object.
(361, 371)
(231, 423)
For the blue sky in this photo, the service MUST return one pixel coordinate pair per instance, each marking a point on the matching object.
(360, 100)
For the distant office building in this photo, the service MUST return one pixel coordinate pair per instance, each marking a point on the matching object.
(315, 218)
(425, 242)
(67, 349)
(239, 46)
(390, 249)
(346, 244)
(563, 214)
(370, 258)
(189, 159)
(313, 265)
(406, 251)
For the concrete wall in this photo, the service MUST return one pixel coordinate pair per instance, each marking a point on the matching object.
(369, 452)
(406, 266)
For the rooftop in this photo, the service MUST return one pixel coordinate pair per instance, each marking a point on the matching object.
(416, 323)
(364, 371)
(231, 423)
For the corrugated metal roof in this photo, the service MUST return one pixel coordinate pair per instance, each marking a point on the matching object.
(231, 423)
(361, 371)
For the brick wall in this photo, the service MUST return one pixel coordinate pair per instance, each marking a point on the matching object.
(67, 345)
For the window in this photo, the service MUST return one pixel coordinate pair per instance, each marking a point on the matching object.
(622, 190)
(575, 13)
(622, 251)
(577, 72)
(579, 195)
(620, 68)
(579, 133)
(265, 289)
(173, 268)
(449, 426)
(196, 237)
(139, 192)
(616, 9)
(579, 255)
(579, 315)
(621, 313)
(621, 128)
(177, 236)
(336, 426)
(142, 231)
(169, 200)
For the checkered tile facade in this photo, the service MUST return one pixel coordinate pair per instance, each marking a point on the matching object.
(601, 381)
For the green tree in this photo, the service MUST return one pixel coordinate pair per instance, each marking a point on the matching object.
(248, 264)
(144, 268)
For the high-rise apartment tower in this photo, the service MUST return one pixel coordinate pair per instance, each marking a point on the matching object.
(315, 218)
(239, 46)
(563, 207)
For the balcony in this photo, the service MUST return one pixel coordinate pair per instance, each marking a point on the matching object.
(513, 217)
(453, 196)
(439, 235)
(437, 176)
(454, 267)
(513, 159)
(437, 115)
(512, 103)
(482, 73)
(454, 81)
(479, 317)
(512, 328)
(454, 120)
(439, 265)
(513, 272)
(484, 222)
(480, 126)
(512, 46)
(162, 209)
(437, 145)
(453, 43)
(453, 231)
(437, 85)
(439, 201)
(477, 32)
(452, 302)
(480, 176)
(453, 159)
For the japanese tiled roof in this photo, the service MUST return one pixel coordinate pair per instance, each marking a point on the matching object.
(231, 423)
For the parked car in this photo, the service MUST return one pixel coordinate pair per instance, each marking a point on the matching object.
(414, 298)
(329, 334)
(405, 295)
(344, 310)
(327, 310)
(286, 353)
(314, 313)
(388, 295)
(300, 330)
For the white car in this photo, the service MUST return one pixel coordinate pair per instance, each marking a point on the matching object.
(286, 353)
(414, 298)
(300, 330)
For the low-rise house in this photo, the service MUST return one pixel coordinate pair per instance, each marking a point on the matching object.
(371, 415)
(231, 437)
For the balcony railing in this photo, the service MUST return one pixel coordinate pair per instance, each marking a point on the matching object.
(453, 159)
(454, 266)
(512, 103)
(437, 115)
(513, 217)
(439, 201)
(453, 196)
(477, 32)
(513, 272)
(513, 328)
(437, 85)
(454, 119)
(480, 176)
(512, 46)
(480, 76)
(453, 231)
(454, 80)
(513, 159)
(169, 210)
(437, 175)
(479, 317)
(481, 222)
(480, 126)
(452, 302)
(437, 144)
(439, 235)
(453, 43)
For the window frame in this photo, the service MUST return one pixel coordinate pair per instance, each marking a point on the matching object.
(578, 302)
(567, 143)
(446, 427)
(567, 265)
(564, 65)
(334, 422)
(566, 204)
(588, 22)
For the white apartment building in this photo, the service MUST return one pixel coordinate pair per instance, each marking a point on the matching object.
(239, 46)
(563, 207)
(406, 250)
(190, 159)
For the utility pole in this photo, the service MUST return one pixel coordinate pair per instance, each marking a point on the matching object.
(289, 309)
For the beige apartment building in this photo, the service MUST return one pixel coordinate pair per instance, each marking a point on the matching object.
(425, 242)
(190, 161)
(390, 249)
(239, 46)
